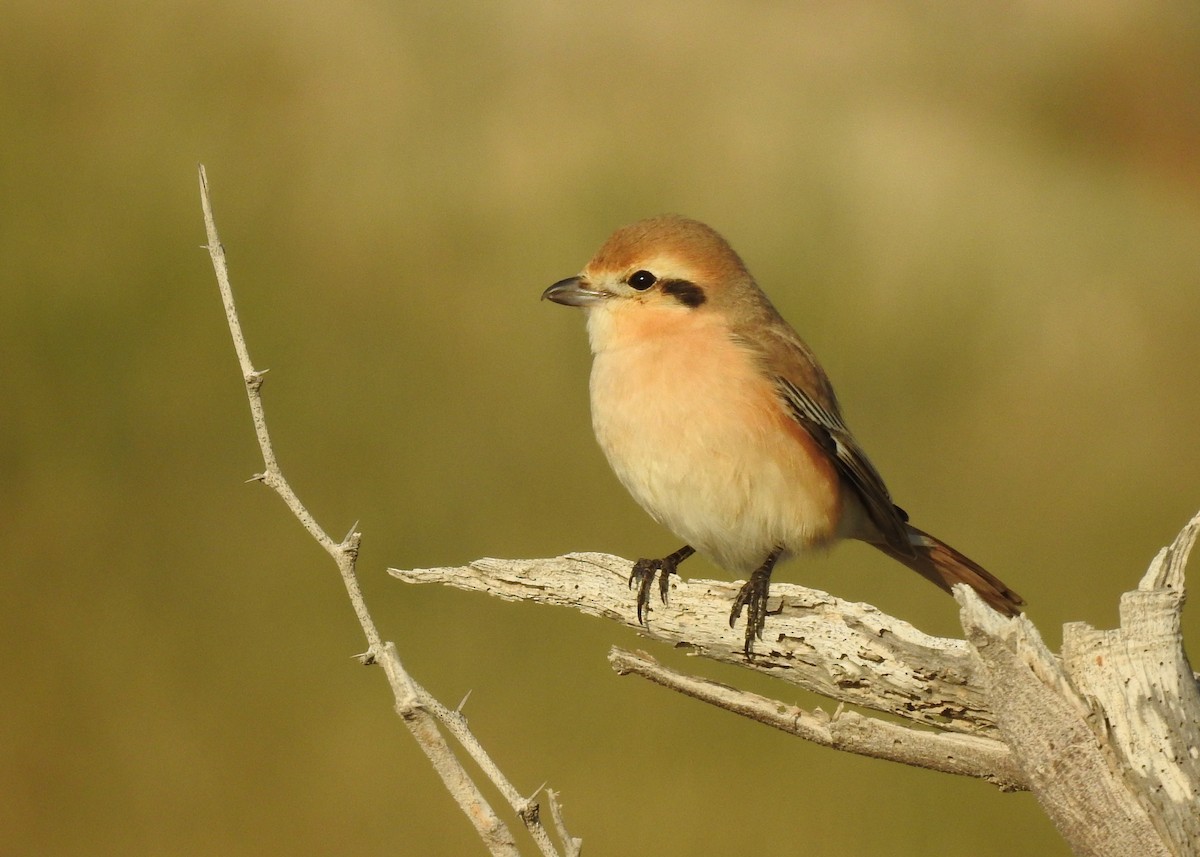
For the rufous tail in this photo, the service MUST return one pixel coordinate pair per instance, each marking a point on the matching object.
(941, 564)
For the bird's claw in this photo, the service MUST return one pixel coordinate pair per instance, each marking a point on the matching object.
(753, 597)
(643, 575)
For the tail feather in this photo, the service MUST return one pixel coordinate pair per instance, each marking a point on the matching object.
(941, 564)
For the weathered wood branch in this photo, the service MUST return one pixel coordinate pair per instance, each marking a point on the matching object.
(1140, 676)
(1051, 731)
(849, 652)
(951, 753)
(1107, 736)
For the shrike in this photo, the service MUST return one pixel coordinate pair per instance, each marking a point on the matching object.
(721, 423)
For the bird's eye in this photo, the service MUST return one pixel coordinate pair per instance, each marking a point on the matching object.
(642, 280)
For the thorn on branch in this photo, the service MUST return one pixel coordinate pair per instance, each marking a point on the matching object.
(257, 477)
(462, 704)
(351, 541)
(254, 380)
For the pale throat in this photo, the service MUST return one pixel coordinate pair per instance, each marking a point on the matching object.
(619, 324)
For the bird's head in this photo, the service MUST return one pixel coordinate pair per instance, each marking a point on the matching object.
(668, 262)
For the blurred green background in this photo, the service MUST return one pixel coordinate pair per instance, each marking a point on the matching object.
(984, 217)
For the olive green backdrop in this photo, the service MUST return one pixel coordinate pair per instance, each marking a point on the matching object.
(984, 217)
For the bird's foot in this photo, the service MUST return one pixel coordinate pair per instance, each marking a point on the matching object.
(753, 597)
(643, 575)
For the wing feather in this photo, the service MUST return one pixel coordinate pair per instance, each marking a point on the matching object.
(828, 428)
(806, 392)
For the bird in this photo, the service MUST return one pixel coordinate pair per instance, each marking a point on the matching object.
(720, 422)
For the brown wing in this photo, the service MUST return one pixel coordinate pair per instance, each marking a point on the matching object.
(827, 427)
(809, 397)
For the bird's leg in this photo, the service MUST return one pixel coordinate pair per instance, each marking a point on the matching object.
(643, 574)
(753, 595)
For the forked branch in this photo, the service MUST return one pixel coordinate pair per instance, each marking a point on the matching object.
(1105, 735)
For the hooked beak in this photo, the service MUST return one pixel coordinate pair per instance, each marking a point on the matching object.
(573, 291)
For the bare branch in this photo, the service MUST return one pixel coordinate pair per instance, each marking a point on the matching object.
(1043, 718)
(967, 755)
(1108, 735)
(1140, 677)
(573, 845)
(419, 711)
(842, 650)
(1105, 738)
